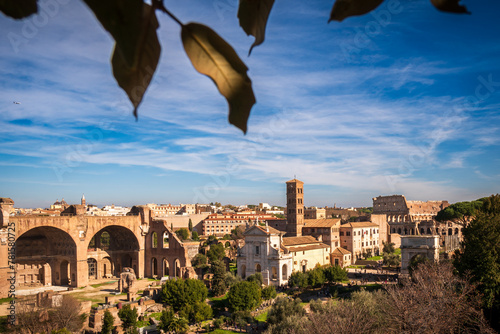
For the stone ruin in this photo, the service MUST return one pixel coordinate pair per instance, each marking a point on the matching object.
(126, 281)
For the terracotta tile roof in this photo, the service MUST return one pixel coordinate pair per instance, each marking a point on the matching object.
(294, 180)
(325, 222)
(359, 224)
(307, 247)
(296, 241)
(341, 251)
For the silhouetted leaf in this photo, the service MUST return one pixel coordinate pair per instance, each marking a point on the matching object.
(133, 24)
(450, 6)
(345, 8)
(135, 79)
(253, 15)
(214, 57)
(123, 20)
(18, 9)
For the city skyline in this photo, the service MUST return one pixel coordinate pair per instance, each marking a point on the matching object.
(394, 102)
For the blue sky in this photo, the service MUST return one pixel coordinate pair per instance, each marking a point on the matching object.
(402, 101)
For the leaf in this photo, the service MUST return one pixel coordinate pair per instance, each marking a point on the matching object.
(123, 20)
(253, 15)
(133, 25)
(345, 8)
(18, 9)
(450, 6)
(214, 57)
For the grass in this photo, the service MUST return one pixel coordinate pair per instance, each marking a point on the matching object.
(262, 317)
(222, 331)
(354, 266)
(153, 279)
(156, 315)
(374, 258)
(142, 323)
(102, 284)
(398, 251)
(5, 300)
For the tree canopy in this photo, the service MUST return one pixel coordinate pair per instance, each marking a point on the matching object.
(179, 292)
(244, 296)
(460, 212)
(479, 256)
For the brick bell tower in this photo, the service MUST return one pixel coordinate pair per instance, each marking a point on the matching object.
(294, 207)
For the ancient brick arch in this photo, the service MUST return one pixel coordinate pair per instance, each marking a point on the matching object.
(113, 248)
(127, 247)
(46, 255)
(174, 258)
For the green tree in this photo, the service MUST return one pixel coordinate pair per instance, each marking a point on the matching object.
(195, 236)
(199, 261)
(107, 323)
(219, 280)
(269, 292)
(460, 212)
(216, 252)
(284, 308)
(479, 256)
(167, 316)
(190, 225)
(178, 293)
(231, 279)
(391, 259)
(178, 325)
(244, 296)
(335, 274)
(316, 276)
(257, 278)
(182, 233)
(298, 279)
(388, 247)
(237, 233)
(128, 316)
(196, 312)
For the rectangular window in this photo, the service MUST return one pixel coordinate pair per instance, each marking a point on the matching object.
(341, 234)
(348, 234)
(257, 250)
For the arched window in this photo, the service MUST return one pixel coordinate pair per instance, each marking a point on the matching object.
(399, 230)
(105, 240)
(284, 272)
(92, 264)
(166, 239)
(154, 267)
(258, 268)
(154, 240)
(165, 267)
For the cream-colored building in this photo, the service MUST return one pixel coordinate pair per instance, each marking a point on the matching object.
(359, 237)
(314, 213)
(275, 257)
(307, 252)
(263, 252)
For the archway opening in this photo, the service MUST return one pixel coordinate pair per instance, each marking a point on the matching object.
(113, 248)
(165, 268)
(45, 256)
(154, 267)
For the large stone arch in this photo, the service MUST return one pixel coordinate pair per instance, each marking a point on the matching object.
(46, 255)
(122, 251)
(412, 246)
